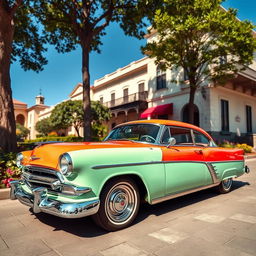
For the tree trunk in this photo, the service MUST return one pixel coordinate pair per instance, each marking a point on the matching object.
(77, 130)
(86, 91)
(191, 105)
(8, 141)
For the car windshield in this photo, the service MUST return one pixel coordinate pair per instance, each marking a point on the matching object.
(135, 132)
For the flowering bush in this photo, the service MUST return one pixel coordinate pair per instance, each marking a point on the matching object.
(245, 147)
(8, 169)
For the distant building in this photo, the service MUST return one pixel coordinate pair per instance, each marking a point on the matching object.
(29, 116)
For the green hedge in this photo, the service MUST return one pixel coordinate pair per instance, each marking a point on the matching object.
(56, 138)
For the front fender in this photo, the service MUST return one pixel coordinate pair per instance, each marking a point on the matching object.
(94, 167)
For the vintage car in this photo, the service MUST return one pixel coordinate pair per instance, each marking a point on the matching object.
(146, 160)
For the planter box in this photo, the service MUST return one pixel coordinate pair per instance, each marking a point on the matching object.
(4, 193)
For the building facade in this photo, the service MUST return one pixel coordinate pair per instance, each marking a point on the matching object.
(142, 90)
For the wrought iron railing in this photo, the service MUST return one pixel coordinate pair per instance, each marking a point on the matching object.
(139, 96)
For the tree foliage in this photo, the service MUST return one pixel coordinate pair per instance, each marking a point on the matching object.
(68, 23)
(44, 126)
(208, 42)
(70, 113)
(21, 132)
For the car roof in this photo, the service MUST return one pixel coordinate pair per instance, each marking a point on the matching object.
(167, 122)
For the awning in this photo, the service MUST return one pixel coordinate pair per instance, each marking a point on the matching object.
(166, 109)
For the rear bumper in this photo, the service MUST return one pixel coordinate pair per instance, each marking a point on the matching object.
(40, 202)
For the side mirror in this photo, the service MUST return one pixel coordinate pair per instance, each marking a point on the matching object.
(171, 142)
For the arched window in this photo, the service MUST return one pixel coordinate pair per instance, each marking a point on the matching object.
(185, 114)
(20, 119)
(160, 78)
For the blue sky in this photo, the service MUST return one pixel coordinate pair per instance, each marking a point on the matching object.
(63, 71)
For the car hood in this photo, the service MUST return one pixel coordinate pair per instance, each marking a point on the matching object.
(48, 154)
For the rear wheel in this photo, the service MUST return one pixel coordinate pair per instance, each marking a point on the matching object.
(225, 186)
(119, 204)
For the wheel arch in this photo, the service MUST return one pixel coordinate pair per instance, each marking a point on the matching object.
(143, 188)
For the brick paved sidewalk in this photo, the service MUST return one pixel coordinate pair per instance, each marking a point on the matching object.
(202, 223)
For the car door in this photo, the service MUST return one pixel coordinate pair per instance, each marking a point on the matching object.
(185, 165)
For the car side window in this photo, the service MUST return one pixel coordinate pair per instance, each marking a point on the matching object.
(182, 135)
(201, 139)
(166, 136)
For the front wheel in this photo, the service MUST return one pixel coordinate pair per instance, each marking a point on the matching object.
(225, 186)
(119, 204)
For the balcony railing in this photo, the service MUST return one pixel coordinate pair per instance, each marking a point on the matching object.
(139, 96)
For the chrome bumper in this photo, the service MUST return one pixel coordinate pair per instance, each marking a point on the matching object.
(40, 202)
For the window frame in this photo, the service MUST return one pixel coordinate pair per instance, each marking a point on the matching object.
(160, 78)
(193, 144)
(225, 123)
(248, 120)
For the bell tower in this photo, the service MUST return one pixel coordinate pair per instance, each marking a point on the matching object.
(40, 98)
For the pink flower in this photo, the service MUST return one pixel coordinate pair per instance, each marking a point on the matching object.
(10, 171)
(4, 181)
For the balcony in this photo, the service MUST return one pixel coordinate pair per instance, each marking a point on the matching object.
(126, 101)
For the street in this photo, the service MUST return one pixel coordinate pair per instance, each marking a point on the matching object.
(203, 223)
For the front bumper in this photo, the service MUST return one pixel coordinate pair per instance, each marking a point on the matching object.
(40, 202)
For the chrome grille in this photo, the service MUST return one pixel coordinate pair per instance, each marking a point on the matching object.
(41, 177)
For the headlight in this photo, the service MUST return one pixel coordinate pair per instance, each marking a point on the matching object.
(19, 160)
(65, 163)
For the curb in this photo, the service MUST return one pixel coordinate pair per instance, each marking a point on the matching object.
(4, 193)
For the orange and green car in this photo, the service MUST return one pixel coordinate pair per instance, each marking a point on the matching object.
(146, 160)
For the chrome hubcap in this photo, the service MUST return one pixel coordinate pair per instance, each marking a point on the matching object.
(121, 203)
(227, 183)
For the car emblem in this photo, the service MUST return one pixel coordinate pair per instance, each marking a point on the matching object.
(32, 158)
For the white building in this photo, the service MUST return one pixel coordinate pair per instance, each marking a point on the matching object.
(142, 90)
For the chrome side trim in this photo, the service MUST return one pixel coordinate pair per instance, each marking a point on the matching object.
(171, 196)
(213, 173)
(157, 162)
(104, 166)
(40, 202)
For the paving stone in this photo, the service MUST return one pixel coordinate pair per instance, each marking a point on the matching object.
(11, 229)
(248, 199)
(123, 249)
(89, 245)
(59, 238)
(210, 218)
(148, 243)
(169, 235)
(189, 226)
(7, 252)
(234, 226)
(244, 218)
(29, 247)
(214, 235)
(243, 244)
(51, 253)
(3, 245)
(197, 246)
